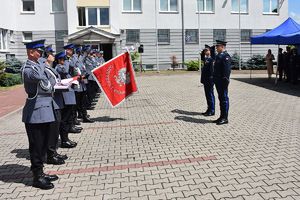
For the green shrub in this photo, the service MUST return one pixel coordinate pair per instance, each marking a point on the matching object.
(8, 79)
(13, 66)
(192, 65)
(135, 56)
(257, 62)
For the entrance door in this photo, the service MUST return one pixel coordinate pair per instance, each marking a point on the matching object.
(107, 50)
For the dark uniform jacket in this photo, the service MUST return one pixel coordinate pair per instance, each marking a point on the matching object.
(39, 106)
(222, 67)
(207, 71)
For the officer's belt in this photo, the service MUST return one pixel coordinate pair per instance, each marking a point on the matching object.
(39, 95)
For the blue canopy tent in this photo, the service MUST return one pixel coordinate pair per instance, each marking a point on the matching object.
(286, 33)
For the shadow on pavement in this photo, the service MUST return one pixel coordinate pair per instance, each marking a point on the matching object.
(183, 112)
(14, 173)
(281, 86)
(106, 119)
(193, 120)
(21, 153)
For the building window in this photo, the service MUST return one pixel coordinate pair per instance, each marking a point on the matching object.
(27, 36)
(270, 6)
(246, 35)
(132, 36)
(220, 34)
(58, 6)
(205, 5)
(191, 36)
(104, 16)
(81, 16)
(93, 16)
(11, 36)
(163, 36)
(3, 39)
(132, 5)
(168, 6)
(235, 6)
(28, 5)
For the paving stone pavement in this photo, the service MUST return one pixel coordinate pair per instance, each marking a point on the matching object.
(157, 146)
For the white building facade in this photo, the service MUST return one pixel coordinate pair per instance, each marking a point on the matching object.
(166, 28)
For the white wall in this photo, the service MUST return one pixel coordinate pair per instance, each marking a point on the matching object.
(221, 19)
(72, 16)
(42, 20)
(8, 16)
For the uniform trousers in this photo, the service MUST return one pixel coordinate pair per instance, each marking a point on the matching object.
(54, 134)
(222, 90)
(82, 103)
(38, 136)
(210, 97)
(66, 121)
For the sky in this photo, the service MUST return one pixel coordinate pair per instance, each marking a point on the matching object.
(294, 9)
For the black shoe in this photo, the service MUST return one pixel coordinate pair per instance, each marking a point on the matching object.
(74, 130)
(222, 121)
(87, 120)
(78, 128)
(63, 157)
(216, 121)
(42, 183)
(209, 114)
(50, 177)
(55, 160)
(68, 144)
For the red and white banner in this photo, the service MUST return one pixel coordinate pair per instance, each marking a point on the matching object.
(116, 79)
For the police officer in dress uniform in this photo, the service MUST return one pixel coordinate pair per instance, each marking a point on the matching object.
(52, 156)
(90, 64)
(69, 64)
(207, 80)
(69, 102)
(38, 113)
(221, 77)
(77, 68)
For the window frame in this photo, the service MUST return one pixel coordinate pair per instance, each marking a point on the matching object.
(27, 12)
(23, 36)
(197, 36)
(214, 38)
(132, 10)
(54, 12)
(249, 39)
(139, 37)
(98, 17)
(5, 41)
(164, 42)
(205, 8)
(169, 6)
(242, 12)
(270, 9)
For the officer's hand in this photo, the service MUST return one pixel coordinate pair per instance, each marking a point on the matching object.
(79, 78)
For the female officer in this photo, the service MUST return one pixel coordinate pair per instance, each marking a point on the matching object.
(207, 80)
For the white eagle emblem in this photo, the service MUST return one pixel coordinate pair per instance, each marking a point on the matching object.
(123, 77)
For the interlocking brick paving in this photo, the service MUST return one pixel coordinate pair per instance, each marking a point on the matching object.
(144, 148)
